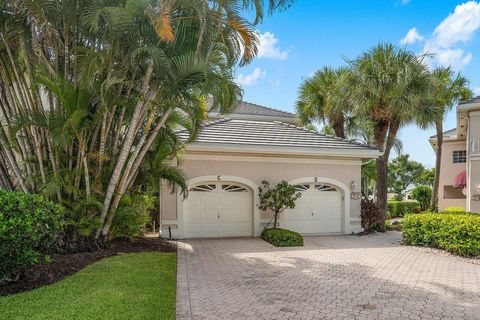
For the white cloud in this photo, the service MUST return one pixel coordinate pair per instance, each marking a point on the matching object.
(411, 37)
(476, 90)
(251, 78)
(405, 2)
(268, 47)
(453, 32)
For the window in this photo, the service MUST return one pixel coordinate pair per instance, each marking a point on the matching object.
(459, 156)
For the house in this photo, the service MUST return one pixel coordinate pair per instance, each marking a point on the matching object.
(232, 155)
(459, 183)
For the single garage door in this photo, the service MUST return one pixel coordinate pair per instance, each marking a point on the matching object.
(319, 210)
(218, 209)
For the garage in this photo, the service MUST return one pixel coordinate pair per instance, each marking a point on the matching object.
(319, 210)
(218, 209)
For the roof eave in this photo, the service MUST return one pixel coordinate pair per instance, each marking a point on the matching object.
(336, 152)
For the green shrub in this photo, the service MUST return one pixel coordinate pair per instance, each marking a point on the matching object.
(401, 208)
(282, 237)
(454, 210)
(456, 233)
(423, 194)
(29, 227)
(132, 216)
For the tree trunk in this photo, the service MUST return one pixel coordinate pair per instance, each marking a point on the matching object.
(275, 220)
(339, 127)
(127, 144)
(380, 133)
(438, 161)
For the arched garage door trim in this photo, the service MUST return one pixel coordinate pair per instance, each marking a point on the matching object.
(340, 185)
(196, 180)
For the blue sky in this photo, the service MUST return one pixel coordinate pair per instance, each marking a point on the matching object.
(312, 34)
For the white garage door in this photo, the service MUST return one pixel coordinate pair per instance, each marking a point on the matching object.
(319, 210)
(218, 209)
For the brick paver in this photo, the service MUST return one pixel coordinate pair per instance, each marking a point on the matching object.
(331, 277)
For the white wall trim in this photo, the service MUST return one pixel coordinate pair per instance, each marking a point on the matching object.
(226, 157)
(335, 152)
(256, 228)
(346, 228)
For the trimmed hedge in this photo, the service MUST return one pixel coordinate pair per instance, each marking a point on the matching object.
(29, 226)
(401, 208)
(282, 237)
(457, 233)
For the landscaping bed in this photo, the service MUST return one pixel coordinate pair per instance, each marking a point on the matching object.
(61, 265)
(282, 237)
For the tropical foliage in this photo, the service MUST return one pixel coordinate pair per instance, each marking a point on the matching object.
(92, 92)
(449, 88)
(423, 194)
(403, 172)
(383, 89)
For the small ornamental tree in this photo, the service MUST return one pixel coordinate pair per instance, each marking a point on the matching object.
(277, 199)
(423, 194)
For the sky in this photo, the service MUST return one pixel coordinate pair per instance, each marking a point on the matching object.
(314, 33)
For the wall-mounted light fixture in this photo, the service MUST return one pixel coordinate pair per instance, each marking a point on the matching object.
(315, 179)
(353, 186)
(219, 178)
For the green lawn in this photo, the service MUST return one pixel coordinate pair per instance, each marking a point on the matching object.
(131, 286)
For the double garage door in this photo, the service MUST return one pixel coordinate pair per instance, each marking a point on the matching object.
(225, 209)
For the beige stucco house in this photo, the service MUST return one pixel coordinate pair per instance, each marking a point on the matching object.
(231, 157)
(460, 166)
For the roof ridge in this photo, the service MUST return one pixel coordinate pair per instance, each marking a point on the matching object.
(269, 108)
(354, 141)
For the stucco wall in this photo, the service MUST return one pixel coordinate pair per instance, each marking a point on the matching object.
(449, 171)
(273, 170)
(474, 160)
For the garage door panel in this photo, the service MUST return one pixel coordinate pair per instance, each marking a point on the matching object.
(224, 209)
(317, 211)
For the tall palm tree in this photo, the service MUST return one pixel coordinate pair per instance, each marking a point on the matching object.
(320, 100)
(88, 89)
(387, 86)
(449, 88)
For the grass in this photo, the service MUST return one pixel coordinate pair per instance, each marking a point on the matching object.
(131, 286)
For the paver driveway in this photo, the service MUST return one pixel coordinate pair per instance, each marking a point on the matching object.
(331, 277)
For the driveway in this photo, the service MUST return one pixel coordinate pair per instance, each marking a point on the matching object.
(331, 277)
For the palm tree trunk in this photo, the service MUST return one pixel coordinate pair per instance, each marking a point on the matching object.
(339, 127)
(380, 133)
(124, 153)
(438, 161)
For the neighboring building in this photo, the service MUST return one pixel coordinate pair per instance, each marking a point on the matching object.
(460, 166)
(234, 153)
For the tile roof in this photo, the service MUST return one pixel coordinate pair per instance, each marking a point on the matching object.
(473, 100)
(247, 108)
(269, 134)
(447, 134)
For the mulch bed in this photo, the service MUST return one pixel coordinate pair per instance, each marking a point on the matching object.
(63, 265)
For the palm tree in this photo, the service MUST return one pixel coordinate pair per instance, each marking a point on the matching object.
(386, 86)
(91, 89)
(320, 100)
(448, 89)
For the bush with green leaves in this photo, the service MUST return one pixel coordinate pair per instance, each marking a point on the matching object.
(397, 209)
(395, 225)
(277, 199)
(457, 233)
(132, 216)
(454, 210)
(422, 194)
(29, 227)
(282, 237)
